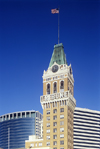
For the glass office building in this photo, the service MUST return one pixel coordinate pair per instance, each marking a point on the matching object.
(16, 127)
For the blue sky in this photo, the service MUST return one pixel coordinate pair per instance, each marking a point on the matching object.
(28, 33)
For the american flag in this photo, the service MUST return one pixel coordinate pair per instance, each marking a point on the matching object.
(54, 11)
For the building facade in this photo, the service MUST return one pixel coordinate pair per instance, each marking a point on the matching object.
(58, 104)
(16, 127)
(86, 129)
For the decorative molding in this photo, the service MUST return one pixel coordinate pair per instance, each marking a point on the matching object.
(56, 97)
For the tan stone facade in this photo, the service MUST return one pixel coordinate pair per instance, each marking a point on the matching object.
(57, 113)
(58, 106)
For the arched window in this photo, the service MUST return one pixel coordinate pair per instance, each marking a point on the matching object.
(55, 87)
(48, 88)
(62, 86)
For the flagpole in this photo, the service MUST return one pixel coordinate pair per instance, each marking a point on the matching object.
(58, 26)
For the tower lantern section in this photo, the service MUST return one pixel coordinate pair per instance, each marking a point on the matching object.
(58, 102)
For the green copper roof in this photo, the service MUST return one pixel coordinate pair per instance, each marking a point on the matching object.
(58, 55)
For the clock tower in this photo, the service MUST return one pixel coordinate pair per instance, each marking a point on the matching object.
(58, 105)
(58, 102)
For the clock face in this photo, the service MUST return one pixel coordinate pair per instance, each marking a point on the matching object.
(55, 68)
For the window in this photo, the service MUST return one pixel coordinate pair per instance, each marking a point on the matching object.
(54, 136)
(48, 88)
(55, 87)
(32, 145)
(55, 117)
(48, 124)
(62, 85)
(55, 130)
(48, 118)
(15, 115)
(48, 130)
(54, 123)
(54, 142)
(54, 148)
(62, 123)
(61, 147)
(62, 136)
(33, 114)
(48, 112)
(40, 144)
(54, 104)
(55, 111)
(48, 143)
(35, 144)
(27, 114)
(11, 116)
(7, 117)
(61, 142)
(61, 116)
(19, 115)
(48, 137)
(62, 110)
(61, 129)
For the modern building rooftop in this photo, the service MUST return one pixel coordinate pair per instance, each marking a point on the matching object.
(19, 114)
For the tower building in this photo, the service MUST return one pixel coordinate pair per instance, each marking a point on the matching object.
(58, 104)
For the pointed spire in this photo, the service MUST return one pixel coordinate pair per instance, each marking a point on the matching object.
(58, 55)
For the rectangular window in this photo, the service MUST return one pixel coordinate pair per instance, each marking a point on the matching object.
(7, 117)
(54, 142)
(48, 137)
(11, 116)
(61, 147)
(55, 117)
(48, 143)
(54, 148)
(61, 122)
(62, 142)
(19, 115)
(54, 123)
(55, 130)
(48, 124)
(62, 136)
(55, 111)
(32, 145)
(61, 129)
(48, 118)
(54, 136)
(1, 119)
(62, 110)
(4, 118)
(48, 130)
(32, 114)
(61, 116)
(48, 112)
(23, 114)
(40, 144)
(14, 115)
(27, 114)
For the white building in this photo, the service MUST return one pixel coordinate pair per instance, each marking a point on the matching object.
(86, 129)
